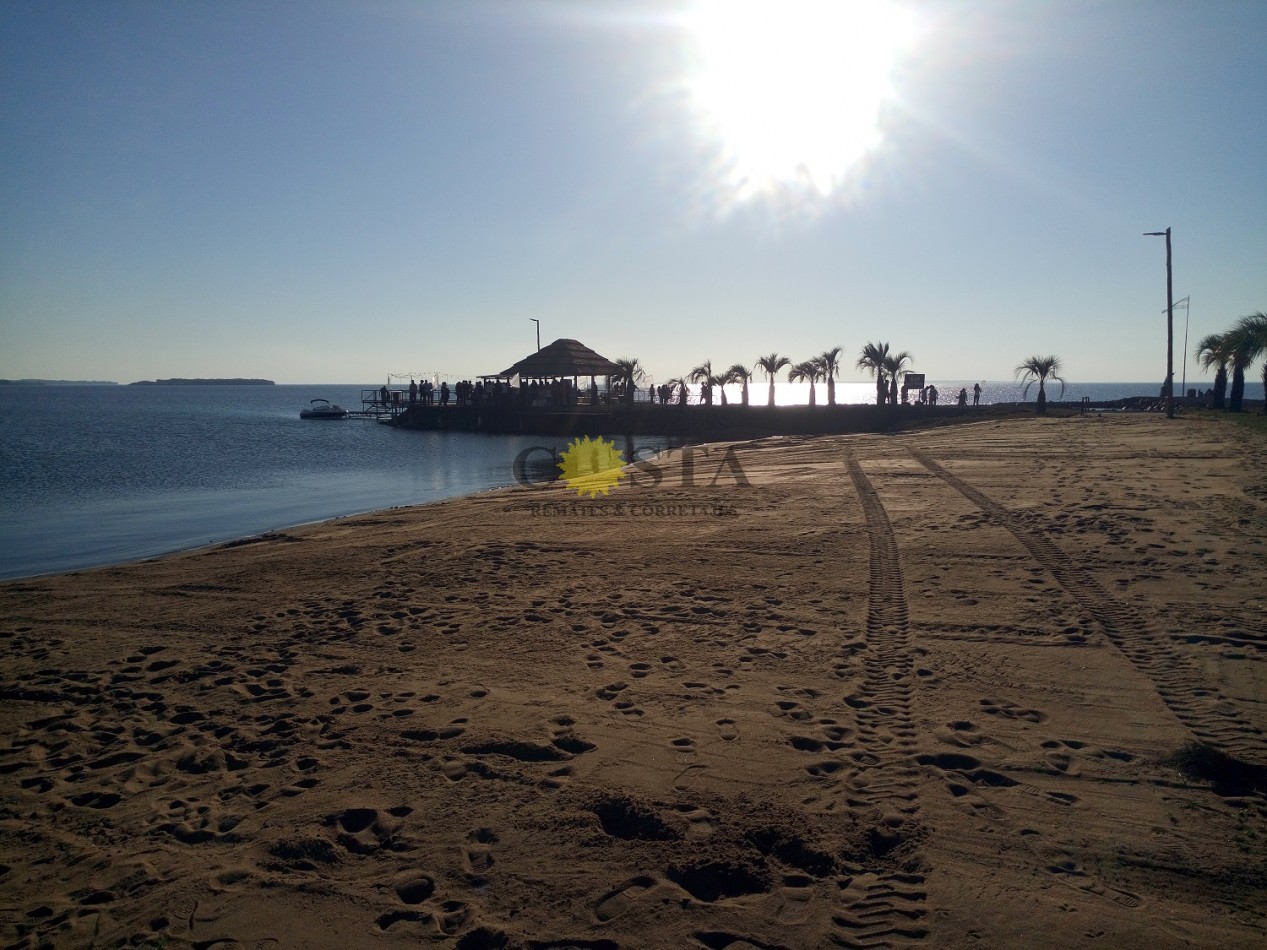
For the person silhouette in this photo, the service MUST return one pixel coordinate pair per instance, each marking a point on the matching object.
(976, 394)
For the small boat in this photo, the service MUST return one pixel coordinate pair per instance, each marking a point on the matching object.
(322, 409)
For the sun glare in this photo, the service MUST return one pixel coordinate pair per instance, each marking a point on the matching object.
(790, 93)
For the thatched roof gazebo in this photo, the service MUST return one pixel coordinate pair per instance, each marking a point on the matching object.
(549, 378)
(560, 360)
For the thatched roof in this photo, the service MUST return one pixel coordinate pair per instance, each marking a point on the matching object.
(561, 358)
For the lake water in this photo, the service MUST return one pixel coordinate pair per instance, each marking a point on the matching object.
(94, 475)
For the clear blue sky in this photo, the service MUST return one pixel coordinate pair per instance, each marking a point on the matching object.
(328, 191)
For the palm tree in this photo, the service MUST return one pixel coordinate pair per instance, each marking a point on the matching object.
(1040, 368)
(629, 373)
(895, 363)
(811, 372)
(829, 361)
(739, 374)
(704, 375)
(872, 358)
(1248, 339)
(677, 390)
(772, 364)
(1234, 344)
(1212, 352)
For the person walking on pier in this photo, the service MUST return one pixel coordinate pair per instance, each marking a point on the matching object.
(413, 392)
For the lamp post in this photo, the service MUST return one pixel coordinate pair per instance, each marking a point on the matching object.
(1170, 325)
(1183, 386)
(538, 323)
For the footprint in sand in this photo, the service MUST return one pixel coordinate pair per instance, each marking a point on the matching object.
(557, 778)
(413, 888)
(1072, 874)
(620, 900)
(973, 803)
(685, 747)
(1000, 707)
(728, 730)
(611, 690)
(833, 731)
(478, 853)
(701, 822)
(793, 710)
(795, 897)
(454, 916)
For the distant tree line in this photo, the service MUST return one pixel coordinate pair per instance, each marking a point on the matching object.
(203, 382)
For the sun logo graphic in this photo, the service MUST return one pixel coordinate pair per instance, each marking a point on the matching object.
(592, 467)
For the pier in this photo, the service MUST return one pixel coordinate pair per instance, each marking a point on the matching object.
(375, 405)
(555, 392)
(690, 421)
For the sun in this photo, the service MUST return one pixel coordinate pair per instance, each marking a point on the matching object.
(790, 93)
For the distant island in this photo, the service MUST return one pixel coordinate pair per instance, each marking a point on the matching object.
(203, 382)
(57, 382)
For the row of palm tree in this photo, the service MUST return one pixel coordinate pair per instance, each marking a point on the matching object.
(1235, 349)
(875, 357)
(822, 368)
(1240, 348)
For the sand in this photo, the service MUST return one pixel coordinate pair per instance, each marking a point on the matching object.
(914, 690)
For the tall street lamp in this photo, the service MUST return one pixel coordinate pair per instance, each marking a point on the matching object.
(1185, 303)
(538, 323)
(1170, 326)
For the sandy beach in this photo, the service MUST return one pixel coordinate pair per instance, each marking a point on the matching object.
(998, 684)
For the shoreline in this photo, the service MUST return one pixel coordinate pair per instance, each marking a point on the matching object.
(921, 686)
(906, 422)
(282, 528)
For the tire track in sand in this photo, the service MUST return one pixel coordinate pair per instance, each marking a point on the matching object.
(883, 909)
(1202, 709)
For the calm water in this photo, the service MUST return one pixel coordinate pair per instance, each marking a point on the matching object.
(93, 475)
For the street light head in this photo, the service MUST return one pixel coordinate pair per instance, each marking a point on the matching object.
(1154, 234)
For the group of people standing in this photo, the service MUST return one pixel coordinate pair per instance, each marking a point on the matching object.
(664, 394)
(928, 395)
(551, 393)
(424, 394)
(463, 393)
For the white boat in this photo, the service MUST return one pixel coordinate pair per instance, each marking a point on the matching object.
(322, 409)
